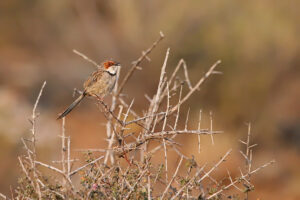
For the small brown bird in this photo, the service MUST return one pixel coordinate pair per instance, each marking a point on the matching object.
(99, 84)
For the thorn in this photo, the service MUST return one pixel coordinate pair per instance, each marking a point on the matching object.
(30, 121)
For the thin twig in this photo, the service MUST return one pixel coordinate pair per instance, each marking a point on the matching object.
(199, 127)
(185, 185)
(149, 187)
(163, 129)
(3, 196)
(215, 166)
(86, 58)
(49, 167)
(211, 127)
(68, 153)
(238, 179)
(137, 63)
(197, 86)
(63, 149)
(143, 118)
(84, 166)
(174, 176)
(33, 140)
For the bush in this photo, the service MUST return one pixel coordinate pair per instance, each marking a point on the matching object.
(105, 177)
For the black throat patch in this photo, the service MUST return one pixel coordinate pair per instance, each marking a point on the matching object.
(112, 74)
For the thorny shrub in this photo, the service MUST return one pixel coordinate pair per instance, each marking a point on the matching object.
(104, 177)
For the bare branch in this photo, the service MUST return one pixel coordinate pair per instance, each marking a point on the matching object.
(33, 140)
(143, 118)
(199, 127)
(63, 149)
(49, 167)
(238, 179)
(149, 187)
(137, 63)
(187, 119)
(3, 196)
(174, 175)
(200, 82)
(185, 185)
(38, 100)
(86, 58)
(163, 129)
(211, 128)
(84, 166)
(215, 166)
(68, 154)
(178, 109)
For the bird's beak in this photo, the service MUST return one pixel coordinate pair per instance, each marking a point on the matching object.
(118, 64)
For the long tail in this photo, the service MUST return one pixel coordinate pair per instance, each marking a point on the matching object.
(72, 106)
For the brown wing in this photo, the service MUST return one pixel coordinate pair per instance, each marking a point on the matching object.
(94, 77)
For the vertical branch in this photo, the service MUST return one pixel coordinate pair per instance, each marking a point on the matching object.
(187, 120)
(154, 124)
(111, 139)
(248, 140)
(248, 161)
(33, 141)
(126, 116)
(115, 91)
(149, 187)
(199, 127)
(167, 109)
(69, 156)
(154, 105)
(163, 130)
(161, 80)
(116, 124)
(248, 151)
(180, 63)
(63, 149)
(34, 115)
(178, 109)
(155, 101)
(211, 128)
(109, 131)
(175, 122)
(186, 74)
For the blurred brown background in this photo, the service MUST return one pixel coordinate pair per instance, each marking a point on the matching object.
(257, 41)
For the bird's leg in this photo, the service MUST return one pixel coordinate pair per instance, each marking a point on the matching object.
(125, 154)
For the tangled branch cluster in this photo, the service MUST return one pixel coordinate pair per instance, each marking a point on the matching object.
(104, 177)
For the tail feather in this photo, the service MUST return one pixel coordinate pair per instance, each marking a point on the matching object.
(72, 106)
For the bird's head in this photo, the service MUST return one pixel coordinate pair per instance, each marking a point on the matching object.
(111, 67)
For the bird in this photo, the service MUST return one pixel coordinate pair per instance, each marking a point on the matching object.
(99, 84)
